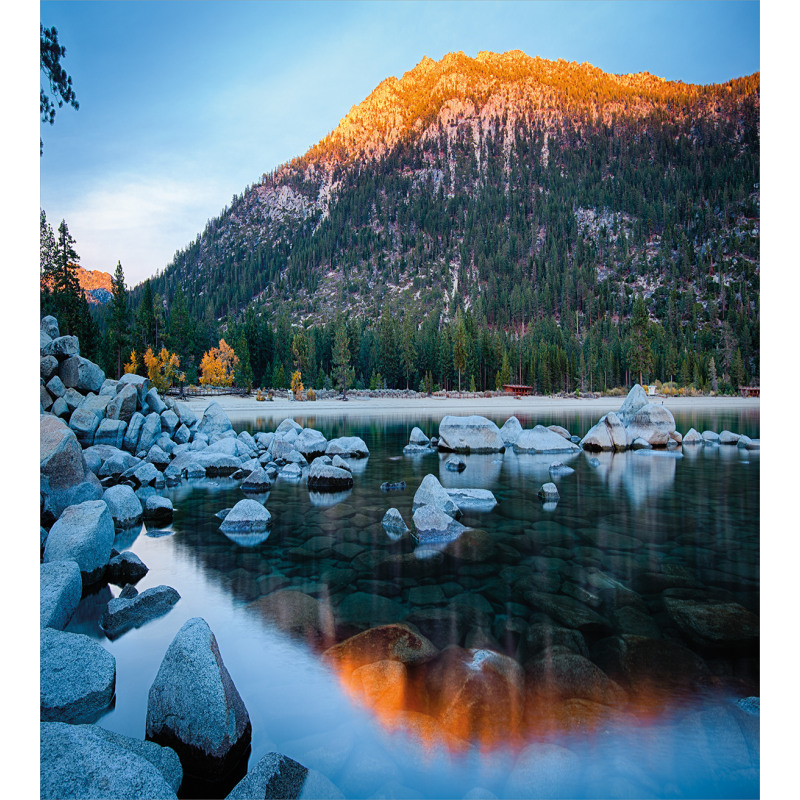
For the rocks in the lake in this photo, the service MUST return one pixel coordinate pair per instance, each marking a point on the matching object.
(469, 434)
(257, 482)
(274, 776)
(76, 679)
(710, 437)
(751, 705)
(434, 525)
(397, 486)
(158, 510)
(549, 493)
(215, 463)
(542, 440)
(151, 428)
(81, 761)
(83, 533)
(726, 437)
(635, 400)
(194, 707)
(640, 444)
(472, 499)
(607, 434)
(652, 423)
(569, 612)
(559, 470)
(418, 449)
(125, 568)
(341, 463)
(560, 430)
(692, 437)
(393, 521)
(146, 474)
(417, 437)
(124, 506)
(124, 613)
(455, 464)
(60, 588)
(432, 493)
(297, 613)
(393, 642)
(711, 623)
(247, 516)
(347, 447)
(510, 431)
(292, 472)
(311, 443)
(325, 477)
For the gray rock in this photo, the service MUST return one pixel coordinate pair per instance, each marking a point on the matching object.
(185, 414)
(433, 525)
(418, 449)
(291, 471)
(115, 461)
(164, 441)
(182, 435)
(56, 387)
(153, 403)
(418, 437)
(633, 403)
(397, 486)
(310, 443)
(84, 423)
(432, 493)
(653, 423)
(124, 506)
(216, 463)
(541, 440)
(44, 340)
(394, 522)
(56, 500)
(151, 429)
(455, 464)
(472, 434)
(60, 459)
(60, 588)
(341, 463)
(710, 437)
(79, 373)
(725, 437)
(247, 516)
(692, 437)
(158, 509)
(83, 761)
(146, 474)
(109, 387)
(83, 533)
(76, 678)
(49, 326)
(60, 408)
(472, 499)
(122, 405)
(73, 399)
(141, 383)
(214, 421)
(607, 434)
(560, 430)
(45, 400)
(125, 568)
(510, 431)
(325, 477)
(96, 404)
(48, 367)
(110, 431)
(194, 707)
(62, 347)
(347, 447)
(549, 492)
(169, 421)
(156, 456)
(749, 444)
(288, 425)
(559, 469)
(640, 444)
(751, 705)
(257, 481)
(278, 776)
(713, 623)
(124, 613)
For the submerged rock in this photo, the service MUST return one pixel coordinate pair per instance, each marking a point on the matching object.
(473, 499)
(549, 493)
(124, 613)
(394, 522)
(432, 493)
(325, 477)
(247, 516)
(434, 525)
(455, 464)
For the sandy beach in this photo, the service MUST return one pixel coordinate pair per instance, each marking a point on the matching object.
(428, 406)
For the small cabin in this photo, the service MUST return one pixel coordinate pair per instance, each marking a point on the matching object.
(750, 391)
(517, 389)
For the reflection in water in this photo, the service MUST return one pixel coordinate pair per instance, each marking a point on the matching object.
(566, 650)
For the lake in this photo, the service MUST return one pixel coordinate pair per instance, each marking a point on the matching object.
(593, 649)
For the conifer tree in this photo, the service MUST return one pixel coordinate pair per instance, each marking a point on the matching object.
(459, 347)
(640, 354)
(343, 372)
(118, 321)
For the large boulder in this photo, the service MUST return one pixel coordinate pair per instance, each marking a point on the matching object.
(247, 516)
(125, 568)
(79, 373)
(608, 434)
(278, 776)
(473, 499)
(542, 440)
(394, 523)
(83, 533)
(49, 325)
(124, 613)
(326, 477)
(310, 443)
(62, 347)
(123, 504)
(141, 384)
(633, 403)
(123, 404)
(61, 464)
(473, 434)
(48, 367)
(214, 421)
(82, 761)
(110, 431)
(510, 431)
(76, 677)
(432, 525)
(432, 493)
(194, 707)
(347, 447)
(84, 423)
(60, 588)
(153, 402)
(418, 438)
(652, 423)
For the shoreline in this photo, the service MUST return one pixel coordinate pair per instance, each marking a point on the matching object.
(386, 406)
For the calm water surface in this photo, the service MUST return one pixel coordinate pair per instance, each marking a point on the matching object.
(568, 670)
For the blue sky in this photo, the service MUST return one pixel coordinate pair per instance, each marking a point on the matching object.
(183, 104)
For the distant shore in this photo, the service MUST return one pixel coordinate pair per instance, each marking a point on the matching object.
(365, 406)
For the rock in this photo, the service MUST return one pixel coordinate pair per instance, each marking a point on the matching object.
(751, 705)
(472, 434)
(96, 404)
(55, 387)
(712, 623)
(541, 440)
(399, 486)
(124, 613)
(116, 462)
(341, 463)
(472, 499)
(549, 493)
(49, 326)
(310, 443)
(432, 493)
(510, 431)
(247, 516)
(84, 423)
(292, 472)
(60, 408)
(418, 449)
(216, 463)
(83, 533)
(146, 474)
(633, 403)
(554, 770)
(124, 506)
(79, 373)
(182, 435)
(73, 399)
(82, 761)
(257, 481)
(288, 425)
(76, 676)
(194, 707)
(725, 437)
(62, 347)
(434, 525)
(125, 569)
(692, 437)
(274, 776)
(558, 470)
(141, 384)
(298, 614)
(347, 447)
(653, 423)
(61, 463)
(607, 434)
(160, 459)
(417, 437)
(393, 521)
(158, 510)
(110, 431)
(109, 387)
(122, 405)
(560, 430)
(710, 437)
(169, 421)
(569, 612)
(152, 402)
(214, 421)
(322, 477)
(60, 588)
(455, 464)
(48, 367)
(640, 444)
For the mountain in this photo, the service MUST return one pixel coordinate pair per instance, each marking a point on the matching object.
(95, 284)
(525, 191)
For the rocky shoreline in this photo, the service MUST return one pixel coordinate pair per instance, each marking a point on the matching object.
(106, 450)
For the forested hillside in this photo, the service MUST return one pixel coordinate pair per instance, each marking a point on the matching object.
(494, 219)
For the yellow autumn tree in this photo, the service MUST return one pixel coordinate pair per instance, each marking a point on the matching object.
(133, 365)
(162, 369)
(217, 365)
(297, 384)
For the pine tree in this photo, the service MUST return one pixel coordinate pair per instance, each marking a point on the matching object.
(343, 372)
(409, 345)
(640, 354)
(145, 319)
(118, 321)
(459, 347)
